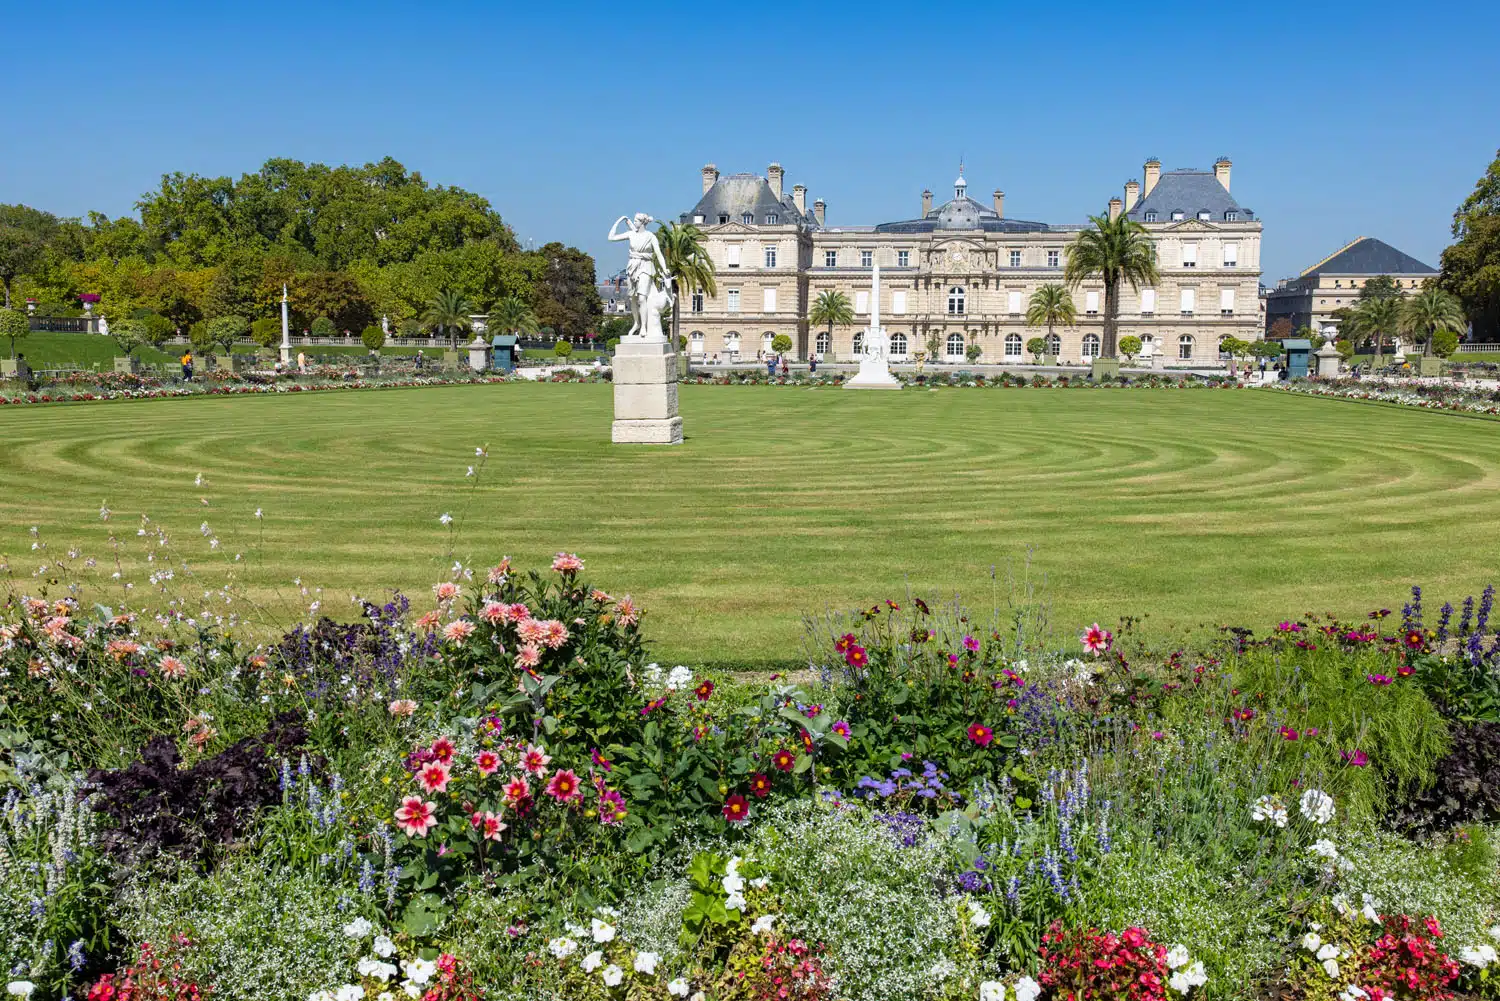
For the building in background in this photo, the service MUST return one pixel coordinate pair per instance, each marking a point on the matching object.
(1311, 299)
(963, 272)
(614, 293)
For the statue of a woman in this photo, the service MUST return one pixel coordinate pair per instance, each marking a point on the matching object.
(645, 267)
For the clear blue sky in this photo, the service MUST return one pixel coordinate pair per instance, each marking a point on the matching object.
(1342, 119)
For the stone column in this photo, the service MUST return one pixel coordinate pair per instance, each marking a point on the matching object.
(645, 377)
(286, 331)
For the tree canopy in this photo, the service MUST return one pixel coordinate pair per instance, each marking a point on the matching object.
(1471, 266)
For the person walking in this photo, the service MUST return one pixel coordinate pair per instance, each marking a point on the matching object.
(812, 364)
(786, 369)
(187, 365)
(771, 367)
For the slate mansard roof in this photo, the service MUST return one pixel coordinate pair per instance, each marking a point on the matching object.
(1189, 192)
(1368, 256)
(962, 213)
(735, 195)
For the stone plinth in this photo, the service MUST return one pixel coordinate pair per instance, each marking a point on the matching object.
(1104, 368)
(1328, 361)
(645, 379)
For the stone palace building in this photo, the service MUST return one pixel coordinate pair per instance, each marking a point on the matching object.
(1315, 297)
(962, 273)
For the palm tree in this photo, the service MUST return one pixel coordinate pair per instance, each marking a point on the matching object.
(831, 307)
(1049, 305)
(511, 315)
(688, 265)
(1430, 311)
(449, 310)
(1374, 318)
(1114, 250)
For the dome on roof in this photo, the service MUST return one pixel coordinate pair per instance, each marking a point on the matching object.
(963, 213)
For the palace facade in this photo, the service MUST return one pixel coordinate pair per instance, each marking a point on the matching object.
(962, 273)
(1316, 297)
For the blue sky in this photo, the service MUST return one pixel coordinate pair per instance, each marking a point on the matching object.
(1342, 119)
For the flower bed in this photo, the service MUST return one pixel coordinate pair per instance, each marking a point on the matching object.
(1425, 395)
(92, 387)
(492, 791)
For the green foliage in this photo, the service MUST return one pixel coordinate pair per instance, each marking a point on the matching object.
(14, 327)
(224, 331)
(155, 328)
(1049, 306)
(128, 335)
(1443, 343)
(1430, 312)
(562, 349)
(323, 327)
(831, 308)
(266, 332)
(372, 337)
(1113, 251)
(1346, 348)
(1037, 347)
(512, 315)
(1380, 287)
(781, 344)
(448, 312)
(972, 351)
(1130, 346)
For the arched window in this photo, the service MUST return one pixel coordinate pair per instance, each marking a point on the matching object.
(956, 300)
(859, 343)
(898, 345)
(825, 343)
(1054, 345)
(955, 346)
(765, 342)
(695, 342)
(732, 343)
(1185, 347)
(1091, 345)
(1012, 345)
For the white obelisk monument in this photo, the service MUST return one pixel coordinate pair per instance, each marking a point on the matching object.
(874, 365)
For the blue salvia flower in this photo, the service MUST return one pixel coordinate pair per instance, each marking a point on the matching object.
(366, 878)
(1468, 616)
(38, 907)
(1104, 843)
(1442, 629)
(76, 957)
(286, 776)
(391, 875)
(1065, 838)
(1013, 891)
(1486, 603)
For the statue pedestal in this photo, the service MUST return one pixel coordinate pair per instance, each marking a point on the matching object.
(1328, 361)
(645, 378)
(873, 373)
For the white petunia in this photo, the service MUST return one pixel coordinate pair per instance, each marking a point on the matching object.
(419, 971)
(978, 916)
(761, 882)
(1197, 976)
(350, 992)
(1479, 956)
(992, 990)
(412, 990)
(1178, 956)
(1495, 933)
(592, 961)
(678, 988)
(1331, 967)
(734, 902)
(358, 928)
(384, 947)
(20, 988)
(320, 996)
(1352, 993)
(679, 677)
(602, 931)
(612, 975)
(1317, 806)
(385, 996)
(1328, 951)
(372, 967)
(562, 948)
(732, 883)
(763, 925)
(1028, 989)
(645, 962)
(1325, 848)
(1311, 941)
(1178, 981)
(1268, 808)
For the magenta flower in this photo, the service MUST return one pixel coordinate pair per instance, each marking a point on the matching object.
(1096, 640)
(971, 644)
(1377, 679)
(1357, 759)
(841, 728)
(981, 734)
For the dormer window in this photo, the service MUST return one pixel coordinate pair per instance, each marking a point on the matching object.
(748, 219)
(1205, 215)
(1231, 216)
(1151, 217)
(698, 220)
(1177, 216)
(723, 218)
(772, 218)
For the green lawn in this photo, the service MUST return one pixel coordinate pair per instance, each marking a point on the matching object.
(1190, 508)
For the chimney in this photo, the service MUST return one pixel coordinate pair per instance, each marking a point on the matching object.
(1153, 174)
(818, 208)
(1132, 193)
(1221, 171)
(1115, 205)
(799, 198)
(710, 176)
(773, 174)
(926, 204)
(1000, 203)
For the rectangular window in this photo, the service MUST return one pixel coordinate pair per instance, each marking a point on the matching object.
(1190, 255)
(1013, 302)
(1053, 258)
(1187, 301)
(732, 301)
(862, 302)
(1091, 303)
(1148, 301)
(732, 255)
(770, 257)
(903, 258)
(770, 301)
(1015, 258)
(830, 258)
(866, 258)
(698, 301)
(898, 301)
(1231, 255)
(1226, 301)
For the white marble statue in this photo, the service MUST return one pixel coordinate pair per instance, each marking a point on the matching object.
(657, 301)
(645, 269)
(103, 324)
(874, 356)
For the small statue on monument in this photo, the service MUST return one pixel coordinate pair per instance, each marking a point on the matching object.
(645, 266)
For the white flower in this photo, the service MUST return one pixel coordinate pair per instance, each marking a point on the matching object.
(371, 967)
(1370, 910)
(1028, 989)
(602, 931)
(320, 996)
(734, 902)
(763, 925)
(1178, 982)
(612, 975)
(358, 928)
(700, 996)
(1178, 956)
(592, 961)
(645, 962)
(350, 992)
(20, 988)
(761, 882)
(679, 677)
(1325, 848)
(1352, 993)
(419, 971)
(573, 929)
(412, 990)
(385, 996)
(978, 916)
(1311, 941)
(732, 883)
(992, 990)
(1196, 975)
(1328, 951)
(1495, 933)
(1480, 956)
(1268, 808)
(733, 866)
(445, 519)
(678, 988)
(1331, 967)
(1317, 806)
(562, 948)
(384, 947)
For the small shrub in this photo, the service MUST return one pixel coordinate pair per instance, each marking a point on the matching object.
(266, 332)
(373, 337)
(562, 349)
(14, 326)
(1466, 784)
(323, 327)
